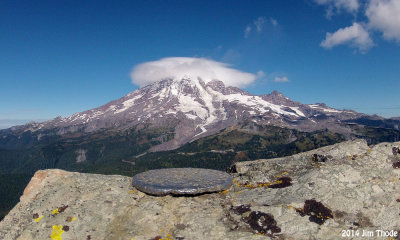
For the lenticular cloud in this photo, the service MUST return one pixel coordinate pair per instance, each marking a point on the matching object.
(180, 67)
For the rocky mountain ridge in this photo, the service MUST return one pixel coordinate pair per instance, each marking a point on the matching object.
(336, 192)
(193, 109)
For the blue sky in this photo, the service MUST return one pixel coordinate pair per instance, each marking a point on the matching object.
(62, 57)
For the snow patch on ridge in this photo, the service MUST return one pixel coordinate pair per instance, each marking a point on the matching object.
(253, 101)
(188, 104)
(191, 116)
(331, 110)
(296, 109)
(325, 109)
(128, 103)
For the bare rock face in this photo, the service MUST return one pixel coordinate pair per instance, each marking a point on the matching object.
(39, 181)
(340, 191)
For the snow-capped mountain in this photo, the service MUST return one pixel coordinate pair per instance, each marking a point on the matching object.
(194, 109)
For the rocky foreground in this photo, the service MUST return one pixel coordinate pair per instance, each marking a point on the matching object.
(345, 191)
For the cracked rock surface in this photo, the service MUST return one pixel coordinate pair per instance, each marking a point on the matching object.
(312, 195)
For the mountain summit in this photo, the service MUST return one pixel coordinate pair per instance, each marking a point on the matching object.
(179, 122)
(193, 109)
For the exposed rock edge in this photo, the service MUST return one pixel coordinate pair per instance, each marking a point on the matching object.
(357, 186)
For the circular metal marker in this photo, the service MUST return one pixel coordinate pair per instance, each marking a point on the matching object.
(181, 181)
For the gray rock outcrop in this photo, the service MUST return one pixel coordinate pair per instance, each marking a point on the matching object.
(335, 192)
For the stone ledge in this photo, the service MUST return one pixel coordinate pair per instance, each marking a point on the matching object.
(344, 186)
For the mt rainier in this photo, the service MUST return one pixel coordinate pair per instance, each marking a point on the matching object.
(195, 109)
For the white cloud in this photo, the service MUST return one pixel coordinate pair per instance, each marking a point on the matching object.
(355, 36)
(247, 31)
(259, 23)
(274, 22)
(261, 74)
(384, 16)
(351, 6)
(179, 67)
(231, 56)
(281, 79)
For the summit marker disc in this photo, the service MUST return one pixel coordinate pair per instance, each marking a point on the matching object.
(181, 181)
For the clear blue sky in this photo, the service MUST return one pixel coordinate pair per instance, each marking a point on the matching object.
(62, 57)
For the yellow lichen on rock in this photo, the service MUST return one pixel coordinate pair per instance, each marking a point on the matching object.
(55, 211)
(57, 232)
(38, 219)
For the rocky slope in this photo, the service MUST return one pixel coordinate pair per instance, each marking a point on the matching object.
(191, 109)
(335, 192)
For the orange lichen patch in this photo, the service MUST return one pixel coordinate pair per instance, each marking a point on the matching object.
(57, 232)
(266, 184)
(279, 183)
(282, 182)
(280, 175)
(132, 191)
(224, 192)
(247, 185)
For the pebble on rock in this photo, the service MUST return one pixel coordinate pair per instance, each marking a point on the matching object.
(181, 181)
